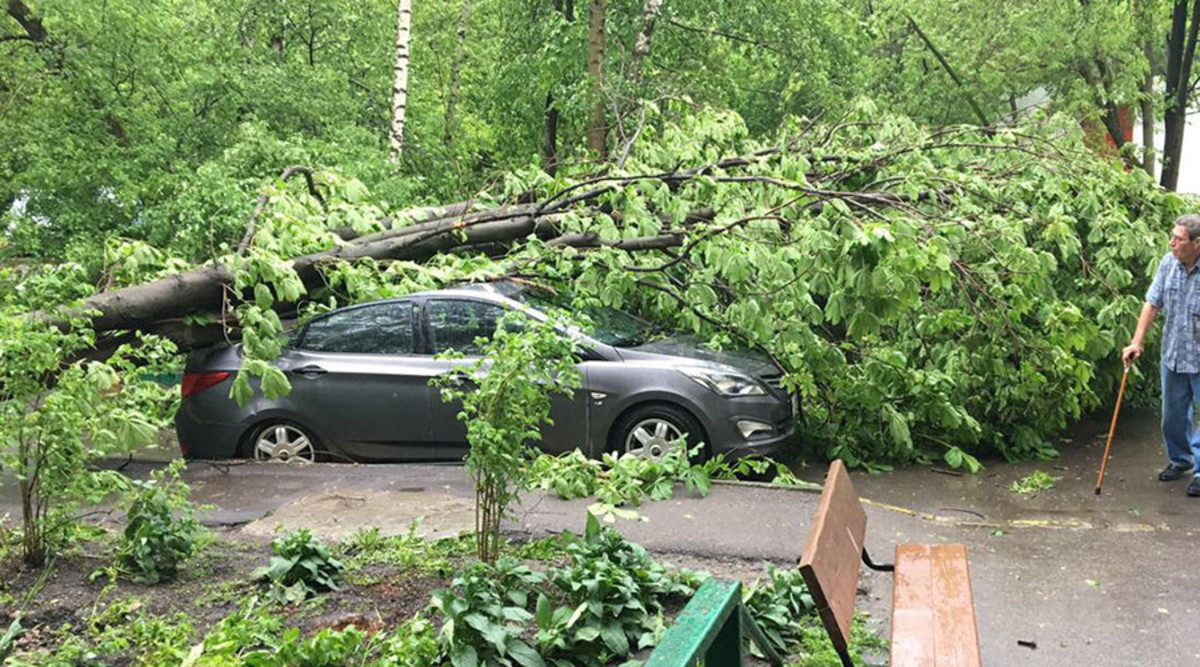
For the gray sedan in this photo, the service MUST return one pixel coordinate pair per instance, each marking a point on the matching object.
(360, 387)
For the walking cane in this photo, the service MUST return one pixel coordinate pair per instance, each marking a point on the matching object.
(1112, 429)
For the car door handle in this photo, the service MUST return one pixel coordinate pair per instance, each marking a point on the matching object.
(310, 371)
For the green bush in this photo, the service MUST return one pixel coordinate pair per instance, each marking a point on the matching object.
(485, 615)
(301, 568)
(160, 532)
(614, 593)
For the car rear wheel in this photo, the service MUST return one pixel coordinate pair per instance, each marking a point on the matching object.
(652, 431)
(286, 442)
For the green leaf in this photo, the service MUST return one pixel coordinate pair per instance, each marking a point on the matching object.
(525, 655)
(614, 637)
(275, 384)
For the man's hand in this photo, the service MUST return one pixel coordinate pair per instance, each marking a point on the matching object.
(1130, 354)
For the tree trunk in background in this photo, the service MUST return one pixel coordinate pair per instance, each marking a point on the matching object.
(32, 25)
(641, 48)
(1148, 111)
(400, 87)
(597, 129)
(1181, 48)
(455, 71)
(550, 149)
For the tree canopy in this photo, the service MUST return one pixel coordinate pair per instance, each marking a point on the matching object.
(845, 185)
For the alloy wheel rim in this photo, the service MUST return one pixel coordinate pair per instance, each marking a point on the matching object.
(653, 439)
(284, 443)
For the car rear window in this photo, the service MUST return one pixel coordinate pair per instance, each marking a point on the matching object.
(385, 328)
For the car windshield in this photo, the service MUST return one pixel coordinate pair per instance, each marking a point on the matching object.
(607, 325)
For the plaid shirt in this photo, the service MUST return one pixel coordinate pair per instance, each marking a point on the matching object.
(1177, 293)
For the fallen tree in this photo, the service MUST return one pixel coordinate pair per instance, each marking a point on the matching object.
(932, 293)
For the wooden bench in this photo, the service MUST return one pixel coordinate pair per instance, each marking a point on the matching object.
(933, 612)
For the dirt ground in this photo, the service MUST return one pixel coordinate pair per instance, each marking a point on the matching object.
(374, 597)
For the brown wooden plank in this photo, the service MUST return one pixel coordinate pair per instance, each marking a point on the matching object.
(956, 634)
(913, 615)
(933, 612)
(832, 553)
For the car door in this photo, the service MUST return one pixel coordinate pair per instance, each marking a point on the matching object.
(356, 374)
(456, 323)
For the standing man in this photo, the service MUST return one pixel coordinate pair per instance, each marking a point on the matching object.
(1176, 290)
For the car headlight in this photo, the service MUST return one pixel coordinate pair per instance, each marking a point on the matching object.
(725, 383)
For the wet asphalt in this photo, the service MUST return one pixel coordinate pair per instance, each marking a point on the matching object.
(1089, 580)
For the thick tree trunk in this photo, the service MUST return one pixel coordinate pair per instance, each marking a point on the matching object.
(1181, 49)
(158, 304)
(597, 128)
(456, 72)
(400, 87)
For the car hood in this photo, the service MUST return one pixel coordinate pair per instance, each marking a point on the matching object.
(689, 347)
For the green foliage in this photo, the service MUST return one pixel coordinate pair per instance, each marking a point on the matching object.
(124, 628)
(614, 594)
(58, 412)
(778, 608)
(160, 531)
(485, 613)
(756, 466)
(254, 636)
(1034, 483)
(1009, 269)
(619, 480)
(301, 568)
(506, 398)
(603, 604)
(405, 552)
(817, 651)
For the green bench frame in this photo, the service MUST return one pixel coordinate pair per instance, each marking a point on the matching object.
(710, 630)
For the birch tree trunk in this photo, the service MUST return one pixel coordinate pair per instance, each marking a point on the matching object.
(400, 88)
(641, 48)
(1148, 111)
(597, 129)
(456, 71)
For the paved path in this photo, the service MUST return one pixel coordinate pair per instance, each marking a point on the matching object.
(1093, 580)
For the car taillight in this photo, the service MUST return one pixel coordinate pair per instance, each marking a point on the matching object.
(194, 383)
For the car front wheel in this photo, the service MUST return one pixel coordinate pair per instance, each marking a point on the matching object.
(652, 431)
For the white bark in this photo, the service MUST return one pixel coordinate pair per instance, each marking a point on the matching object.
(641, 48)
(400, 87)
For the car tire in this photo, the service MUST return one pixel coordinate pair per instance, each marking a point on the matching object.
(647, 431)
(284, 441)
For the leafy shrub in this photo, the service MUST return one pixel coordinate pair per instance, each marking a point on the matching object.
(778, 607)
(484, 615)
(614, 593)
(301, 568)
(160, 532)
(506, 398)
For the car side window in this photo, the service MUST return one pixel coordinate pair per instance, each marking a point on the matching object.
(456, 323)
(385, 328)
